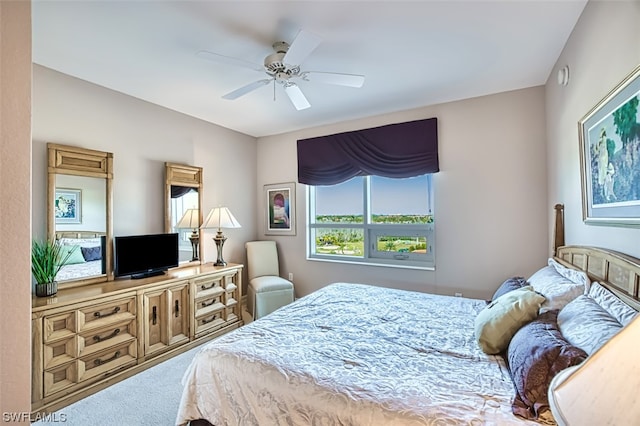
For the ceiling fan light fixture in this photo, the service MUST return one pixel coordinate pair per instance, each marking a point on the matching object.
(283, 66)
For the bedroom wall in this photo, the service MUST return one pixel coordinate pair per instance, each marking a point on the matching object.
(15, 175)
(142, 136)
(603, 49)
(490, 197)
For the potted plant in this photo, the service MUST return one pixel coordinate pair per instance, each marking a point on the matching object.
(47, 258)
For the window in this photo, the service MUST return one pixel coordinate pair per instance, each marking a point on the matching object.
(374, 220)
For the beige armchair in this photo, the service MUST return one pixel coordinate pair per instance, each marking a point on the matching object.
(267, 291)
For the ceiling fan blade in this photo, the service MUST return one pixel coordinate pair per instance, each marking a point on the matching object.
(351, 80)
(215, 57)
(301, 47)
(246, 89)
(296, 96)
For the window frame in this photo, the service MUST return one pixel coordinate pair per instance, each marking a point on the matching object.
(370, 230)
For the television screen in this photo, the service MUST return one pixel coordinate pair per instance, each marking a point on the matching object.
(145, 255)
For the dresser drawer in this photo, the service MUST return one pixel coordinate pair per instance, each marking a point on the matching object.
(230, 281)
(60, 378)
(60, 352)
(210, 321)
(106, 314)
(232, 309)
(105, 362)
(59, 326)
(208, 286)
(101, 339)
(208, 305)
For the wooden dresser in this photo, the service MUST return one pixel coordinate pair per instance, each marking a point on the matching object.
(87, 338)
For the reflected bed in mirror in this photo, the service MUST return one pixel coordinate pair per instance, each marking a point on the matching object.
(86, 259)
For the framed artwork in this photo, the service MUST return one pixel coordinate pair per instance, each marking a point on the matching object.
(68, 205)
(280, 202)
(610, 157)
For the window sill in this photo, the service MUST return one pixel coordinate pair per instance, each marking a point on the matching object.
(376, 262)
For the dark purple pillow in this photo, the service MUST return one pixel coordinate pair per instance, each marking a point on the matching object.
(536, 353)
(509, 285)
(91, 253)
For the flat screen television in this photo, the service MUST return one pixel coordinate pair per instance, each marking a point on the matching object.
(143, 256)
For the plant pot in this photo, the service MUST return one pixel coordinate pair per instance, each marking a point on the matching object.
(46, 289)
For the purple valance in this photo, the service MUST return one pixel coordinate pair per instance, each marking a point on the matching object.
(396, 150)
(179, 191)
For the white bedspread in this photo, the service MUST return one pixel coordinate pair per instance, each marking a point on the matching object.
(352, 354)
(80, 270)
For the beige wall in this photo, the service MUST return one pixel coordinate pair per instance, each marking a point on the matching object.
(142, 136)
(603, 49)
(493, 196)
(15, 175)
(490, 197)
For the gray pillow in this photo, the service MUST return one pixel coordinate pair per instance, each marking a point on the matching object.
(91, 253)
(614, 306)
(586, 324)
(509, 285)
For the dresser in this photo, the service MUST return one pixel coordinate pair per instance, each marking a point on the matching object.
(87, 338)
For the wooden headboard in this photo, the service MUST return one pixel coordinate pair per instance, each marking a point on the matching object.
(616, 271)
(79, 234)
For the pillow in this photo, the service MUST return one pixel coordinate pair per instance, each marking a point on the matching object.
(586, 324)
(622, 312)
(76, 255)
(538, 352)
(557, 289)
(91, 253)
(500, 319)
(573, 275)
(509, 285)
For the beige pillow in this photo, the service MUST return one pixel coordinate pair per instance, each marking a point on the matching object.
(496, 324)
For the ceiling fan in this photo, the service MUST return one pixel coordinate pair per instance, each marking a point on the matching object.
(283, 67)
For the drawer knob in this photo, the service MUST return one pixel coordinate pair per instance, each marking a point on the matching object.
(101, 361)
(101, 315)
(110, 336)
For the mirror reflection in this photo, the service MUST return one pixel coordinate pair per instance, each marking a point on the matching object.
(183, 199)
(185, 220)
(80, 211)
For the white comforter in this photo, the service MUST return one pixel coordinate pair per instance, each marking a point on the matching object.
(352, 354)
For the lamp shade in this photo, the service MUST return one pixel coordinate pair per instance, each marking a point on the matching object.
(220, 217)
(189, 220)
(603, 390)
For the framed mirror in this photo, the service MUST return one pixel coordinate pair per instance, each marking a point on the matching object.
(183, 213)
(79, 212)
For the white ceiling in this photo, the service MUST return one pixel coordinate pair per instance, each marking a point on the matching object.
(413, 54)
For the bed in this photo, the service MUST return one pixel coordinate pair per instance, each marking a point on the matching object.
(86, 254)
(356, 354)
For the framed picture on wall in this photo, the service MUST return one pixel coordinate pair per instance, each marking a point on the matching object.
(610, 157)
(280, 201)
(68, 205)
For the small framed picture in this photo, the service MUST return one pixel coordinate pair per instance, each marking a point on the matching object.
(280, 200)
(68, 205)
(610, 160)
